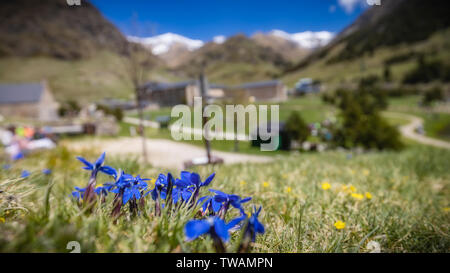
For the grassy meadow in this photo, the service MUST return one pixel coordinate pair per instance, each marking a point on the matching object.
(398, 200)
(372, 64)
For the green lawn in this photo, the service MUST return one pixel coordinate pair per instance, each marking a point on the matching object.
(436, 124)
(408, 210)
(85, 80)
(312, 109)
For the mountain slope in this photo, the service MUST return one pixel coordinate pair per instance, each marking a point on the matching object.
(74, 48)
(287, 48)
(53, 28)
(237, 59)
(172, 48)
(394, 29)
(295, 46)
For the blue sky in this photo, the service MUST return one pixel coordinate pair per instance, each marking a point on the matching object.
(204, 19)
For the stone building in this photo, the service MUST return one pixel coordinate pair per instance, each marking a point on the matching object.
(28, 100)
(170, 94)
(265, 91)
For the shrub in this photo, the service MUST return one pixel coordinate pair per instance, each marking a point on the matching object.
(369, 81)
(69, 108)
(427, 71)
(387, 75)
(362, 124)
(434, 94)
(116, 112)
(296, 127)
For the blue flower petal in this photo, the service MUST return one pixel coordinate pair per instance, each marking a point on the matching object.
(236, 221)
(137, 194)
(100, 160)
(88, 164)
(186, 195)
(208, 180)
(221, 229)
(126, 196)
(216, 205)
(109, 171)
(259, 228)
(195, 179)
(196, 228)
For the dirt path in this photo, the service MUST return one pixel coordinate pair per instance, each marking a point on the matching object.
(191, 131)
(162, 153)
(408, 131)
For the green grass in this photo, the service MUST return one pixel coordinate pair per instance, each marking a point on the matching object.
(219, 145)
(408, 211)
(370, 64)
(85, 80)
(312, 109)
(436, 124)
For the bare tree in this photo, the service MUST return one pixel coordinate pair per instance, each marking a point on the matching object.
(137, 63)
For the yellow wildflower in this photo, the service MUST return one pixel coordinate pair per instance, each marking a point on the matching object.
(243, 183)
(366, 172)
(358, 196)
(2, 220)
(352, 188)
(326, 186)
(339, 225)
(446, 209)
(265, 184)
(288, 189)
(368, 195)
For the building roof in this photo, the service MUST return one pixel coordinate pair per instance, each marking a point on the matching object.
(259, 84)
(20, 93)
(162, 86)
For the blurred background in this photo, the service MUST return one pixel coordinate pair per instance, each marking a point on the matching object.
(362, 157)
(347, 74)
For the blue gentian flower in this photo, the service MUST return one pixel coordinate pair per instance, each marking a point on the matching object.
(234, 224)
(78, 193)
(209, 205)
(18, 156)
(98, 165)
(134, 190)
(95, 167)
(161, 187)
(254, 226)
(214, 226)
(25, 174)
(225, 200)
(46, 171)
(102, 190)
(188, 186)
(188, 179)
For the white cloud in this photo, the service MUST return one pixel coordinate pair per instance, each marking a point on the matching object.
(350, 5)
(306, 39)
(219, 39)
(160, 44)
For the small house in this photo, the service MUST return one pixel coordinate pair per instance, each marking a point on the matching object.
(28, 100)
(265, 91)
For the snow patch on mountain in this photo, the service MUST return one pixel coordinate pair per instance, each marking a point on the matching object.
(161, 44)
(306, 39)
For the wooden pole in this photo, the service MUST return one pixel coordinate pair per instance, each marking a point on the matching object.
(204, 94)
